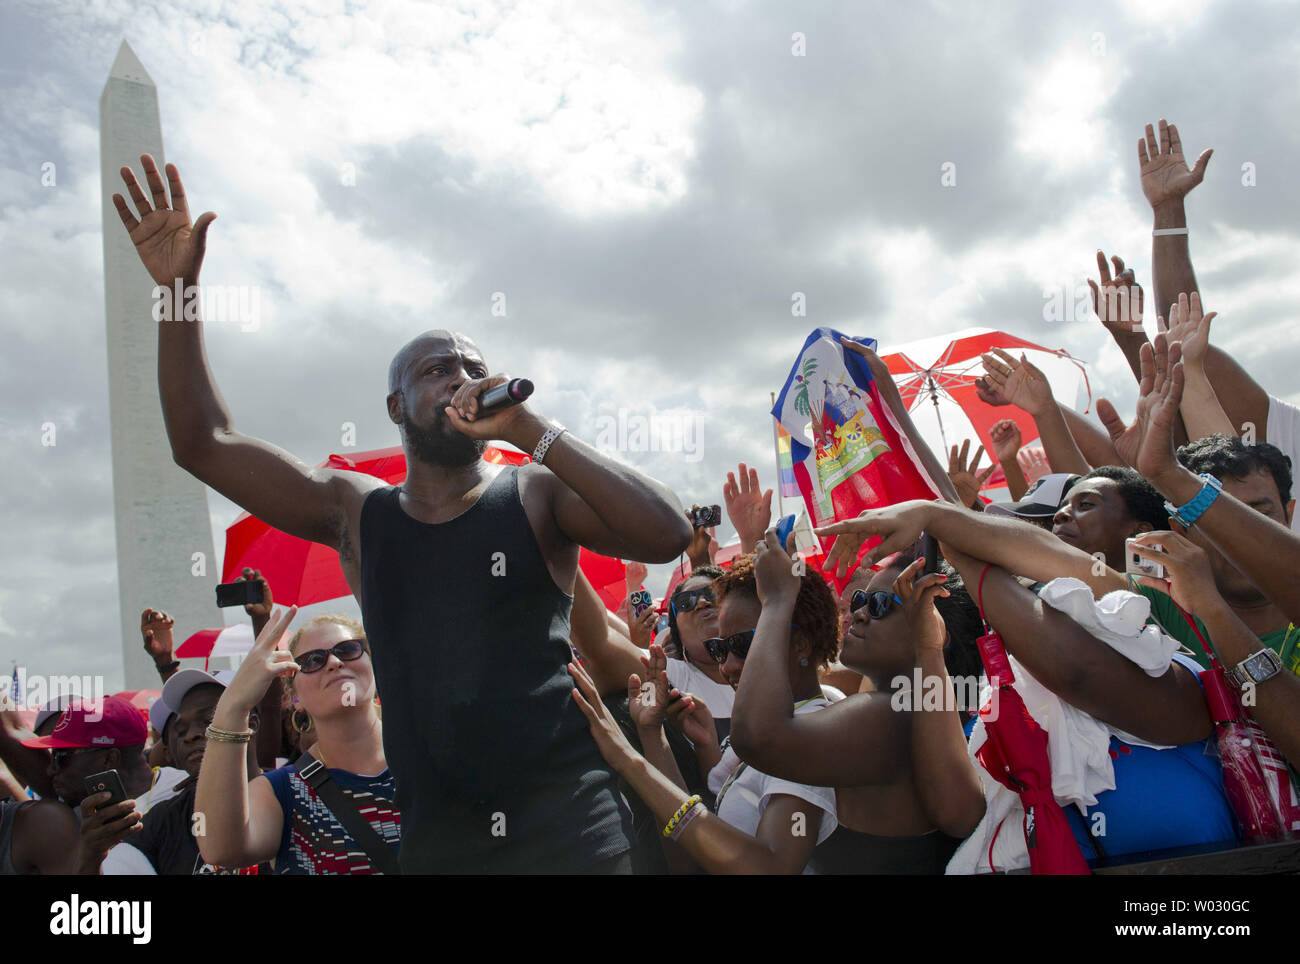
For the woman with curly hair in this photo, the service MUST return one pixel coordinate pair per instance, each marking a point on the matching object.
(762, 823)
(863, 745)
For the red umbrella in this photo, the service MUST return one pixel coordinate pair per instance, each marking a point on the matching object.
(1015, 754)
(936, 378)
(301, 573)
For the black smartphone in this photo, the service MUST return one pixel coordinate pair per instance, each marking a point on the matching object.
(930, 548)
(706, 516)
(239, 594)
(106, 780)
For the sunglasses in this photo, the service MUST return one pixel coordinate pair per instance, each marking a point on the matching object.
(738, 643)
(878, 603)
(61, 758)
(315, 659)
(684, 602)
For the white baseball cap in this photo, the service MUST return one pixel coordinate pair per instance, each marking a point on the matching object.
(177, 686)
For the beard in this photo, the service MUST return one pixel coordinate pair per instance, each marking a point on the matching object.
(440, 444)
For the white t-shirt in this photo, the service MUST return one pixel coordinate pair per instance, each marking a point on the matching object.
(718, 697)
(125, 860)
(1283, 430)
(746, 797)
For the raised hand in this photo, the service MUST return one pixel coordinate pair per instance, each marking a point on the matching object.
(640, 628)
(262, 610)
(168, 244)
(156, 628)
(647, 703)
(988, 394)
(697, 550)
(964, 479)
(917, 593)
(611, 742)
(1005, 436)
(1018, 381)
(1119, 301)
(774, 577)
(749, 508)
(264, 662)
(1189, 328)
(1148, 444)
(635, 573)
(899, 526)
(1165, 174)
(1189, 580)
(1033, 462)
(690, 715)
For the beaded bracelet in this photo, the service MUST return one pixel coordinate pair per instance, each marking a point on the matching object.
(228, 736)
(688, 805)
(691, 814)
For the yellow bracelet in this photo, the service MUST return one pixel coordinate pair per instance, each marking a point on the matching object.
(228, 736)
(681, 812)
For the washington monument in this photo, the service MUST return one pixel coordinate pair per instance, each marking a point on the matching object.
(161, 511)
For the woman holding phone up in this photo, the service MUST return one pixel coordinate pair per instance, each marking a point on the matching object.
(309, 822)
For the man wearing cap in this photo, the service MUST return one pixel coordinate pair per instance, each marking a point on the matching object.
(90, 737)
(1041, 500)
(166, 844)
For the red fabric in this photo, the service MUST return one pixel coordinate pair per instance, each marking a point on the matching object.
(1015, 754)
(198, 645)
(301, 573)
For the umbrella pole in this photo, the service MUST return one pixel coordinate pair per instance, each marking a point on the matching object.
(933, 389)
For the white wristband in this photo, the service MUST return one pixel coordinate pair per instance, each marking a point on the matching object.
(544, 443)
(1162, 232)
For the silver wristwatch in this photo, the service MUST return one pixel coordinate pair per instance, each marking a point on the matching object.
(1257, 667)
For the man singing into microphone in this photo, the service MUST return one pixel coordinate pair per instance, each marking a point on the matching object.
(464, 574)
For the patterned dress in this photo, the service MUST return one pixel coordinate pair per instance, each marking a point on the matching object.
(313, 840)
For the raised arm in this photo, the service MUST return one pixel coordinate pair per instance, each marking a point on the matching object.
(608, 655)
(889, 394)
(244, 819)
(942, 772)
(1202, 414)
(1081, 669)
(1026, 386)
(1005, 436)
(1166, 181)
(715, 845)
(858, 741)
(267, 481)
(1263, 549)
(597, 501)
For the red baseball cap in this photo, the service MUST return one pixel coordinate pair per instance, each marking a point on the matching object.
(101, 723)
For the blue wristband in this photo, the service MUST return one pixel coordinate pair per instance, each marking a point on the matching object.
(1188, 514)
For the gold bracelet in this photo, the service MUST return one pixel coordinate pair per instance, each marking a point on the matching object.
(217, 735)
(688, 805)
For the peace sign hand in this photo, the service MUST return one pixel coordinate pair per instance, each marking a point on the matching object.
(264, 662)
(168, 244)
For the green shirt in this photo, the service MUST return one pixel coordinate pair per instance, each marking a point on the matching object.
(1165, 613)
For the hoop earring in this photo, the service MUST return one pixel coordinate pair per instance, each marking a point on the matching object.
(295, 720)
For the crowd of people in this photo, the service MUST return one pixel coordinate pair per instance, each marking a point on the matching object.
(767, 716)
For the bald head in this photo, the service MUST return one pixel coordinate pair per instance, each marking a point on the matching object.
(437, 340)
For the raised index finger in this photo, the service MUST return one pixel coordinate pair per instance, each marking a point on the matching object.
(1103, 267)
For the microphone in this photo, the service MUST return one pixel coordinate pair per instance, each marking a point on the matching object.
(510, 393)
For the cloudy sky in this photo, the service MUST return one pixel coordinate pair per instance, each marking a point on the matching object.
(647, 185)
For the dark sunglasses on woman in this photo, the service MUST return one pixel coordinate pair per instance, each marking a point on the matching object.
(738, 643)
(684, 602)
(315, 659)
(878, 603)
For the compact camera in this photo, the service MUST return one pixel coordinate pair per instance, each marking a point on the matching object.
(1139, 565)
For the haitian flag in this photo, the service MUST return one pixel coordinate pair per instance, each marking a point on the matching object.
(848, 452)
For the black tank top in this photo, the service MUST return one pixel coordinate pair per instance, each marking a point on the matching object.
(850, 852)
(496, 768)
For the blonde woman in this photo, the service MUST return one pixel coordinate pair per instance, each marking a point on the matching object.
(346, 824)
